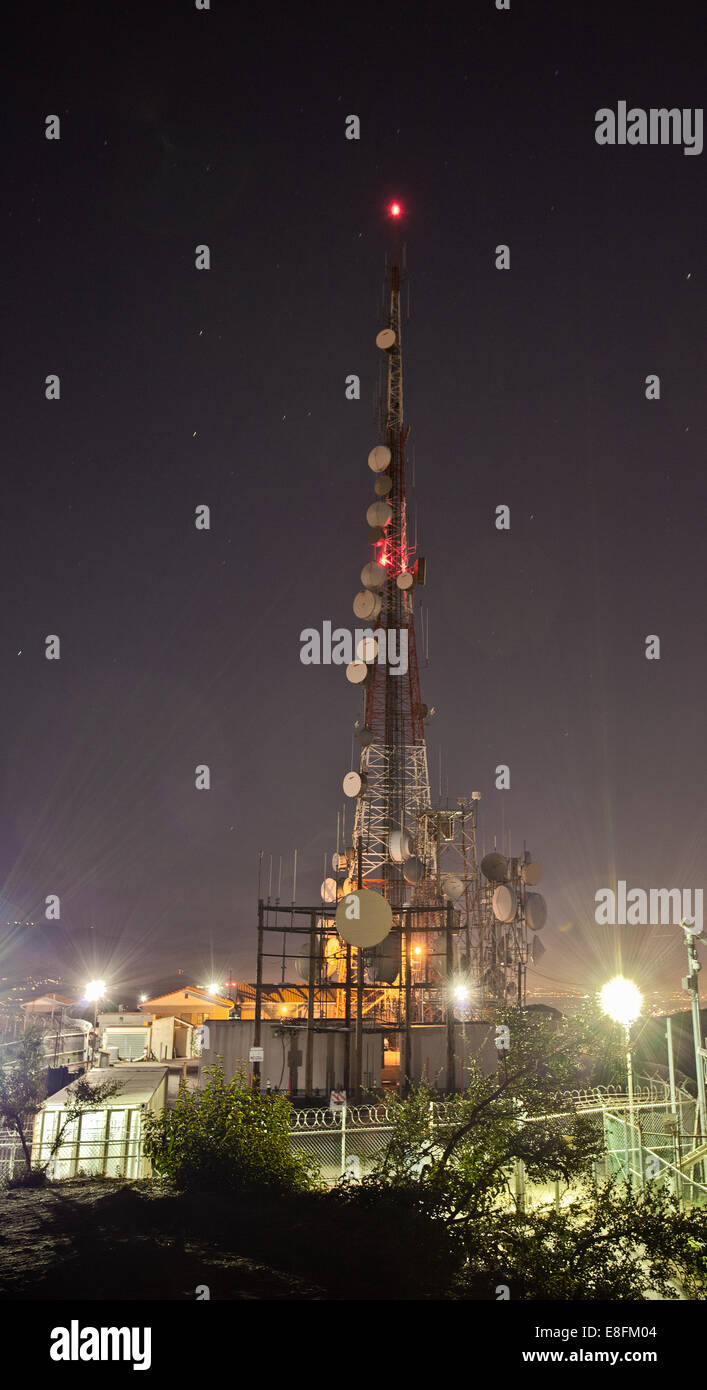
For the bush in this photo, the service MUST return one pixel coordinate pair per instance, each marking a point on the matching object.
(226, 1138)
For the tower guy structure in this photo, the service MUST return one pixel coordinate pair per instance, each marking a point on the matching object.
(463, 930)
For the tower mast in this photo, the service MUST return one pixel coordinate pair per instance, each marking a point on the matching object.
(391, 842)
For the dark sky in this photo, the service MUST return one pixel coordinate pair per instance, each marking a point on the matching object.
(226, 387)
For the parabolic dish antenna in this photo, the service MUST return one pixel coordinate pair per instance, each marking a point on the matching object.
(385, 339)
(379, 458)
(531, 874)
(413, 870)
(373, 575)
(383, 485)
(328, 890)
(535, 911)
(405, 580)
(367, 604)
(400, 846)
(356, 672)
(379, 514)
(452, 887)
(495, 867)
(364, 918)
(353, 783)
(504, 903)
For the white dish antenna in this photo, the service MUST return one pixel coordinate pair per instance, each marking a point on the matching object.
(379, 458)
(357, 672)
(367, 605)
(354, 783)
(405, 580)
(385, 340)
(452, 886)
(505, 903)
(364, 918)
(373, 575)
(400, 846)
(531, 874)
(367, 649)
(379, 514)
(383, 485)
(328, 890)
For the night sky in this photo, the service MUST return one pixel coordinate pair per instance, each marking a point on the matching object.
(227, 387)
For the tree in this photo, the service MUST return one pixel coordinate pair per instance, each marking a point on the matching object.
(226, 1137)
(23, 1086)
(23, 1091)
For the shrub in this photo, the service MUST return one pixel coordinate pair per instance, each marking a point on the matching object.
(226, 1137)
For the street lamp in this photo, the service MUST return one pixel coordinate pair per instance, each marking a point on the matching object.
(95, 990)
(622, 1001)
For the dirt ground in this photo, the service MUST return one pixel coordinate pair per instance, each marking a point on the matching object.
(91, 1239)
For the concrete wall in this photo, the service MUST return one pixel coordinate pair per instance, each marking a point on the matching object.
(231, 1040)
(429, 1052)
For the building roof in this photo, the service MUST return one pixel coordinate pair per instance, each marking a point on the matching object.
(49, 1001)
(137, 1086)
(189, 991)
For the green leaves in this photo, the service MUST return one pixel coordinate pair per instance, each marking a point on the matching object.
(226, 1137)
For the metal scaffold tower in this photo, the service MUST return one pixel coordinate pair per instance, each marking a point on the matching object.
(463, 928)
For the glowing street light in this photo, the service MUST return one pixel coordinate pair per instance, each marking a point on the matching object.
(95, 990)
(214, 988)
(461, 994)
(622, 1001)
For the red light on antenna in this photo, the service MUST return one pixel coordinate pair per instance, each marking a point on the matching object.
(395, 209)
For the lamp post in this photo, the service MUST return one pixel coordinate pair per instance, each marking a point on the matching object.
(622, 1001)
(95, 990)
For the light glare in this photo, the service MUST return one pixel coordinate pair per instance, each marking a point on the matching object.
(621, 1000)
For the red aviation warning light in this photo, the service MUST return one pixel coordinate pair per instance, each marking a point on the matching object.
(395, 210)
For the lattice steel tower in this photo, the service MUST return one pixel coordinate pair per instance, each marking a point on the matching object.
(390, 838)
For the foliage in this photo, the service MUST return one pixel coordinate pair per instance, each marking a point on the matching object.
(23, 1090)
(23, 1086)
(614, 1245)
(226, 1137)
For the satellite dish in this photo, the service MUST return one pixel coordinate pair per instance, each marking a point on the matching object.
(354, 783)
(383, 965)
(383, 485)
(531, 874)
(302, 959)
(329, 890)
(495, 867)
(356, 672)
(400, 846)
(405, 580)
(367, 605)
(413, 870)
(339, 862)
(365, 737)
(535, 911)
(379, 458)
(364, 918)
(452, 887)
(379, 514)
(505, 903)
(367, 649)
(536, 949)
(373, 575)
(385, 339)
